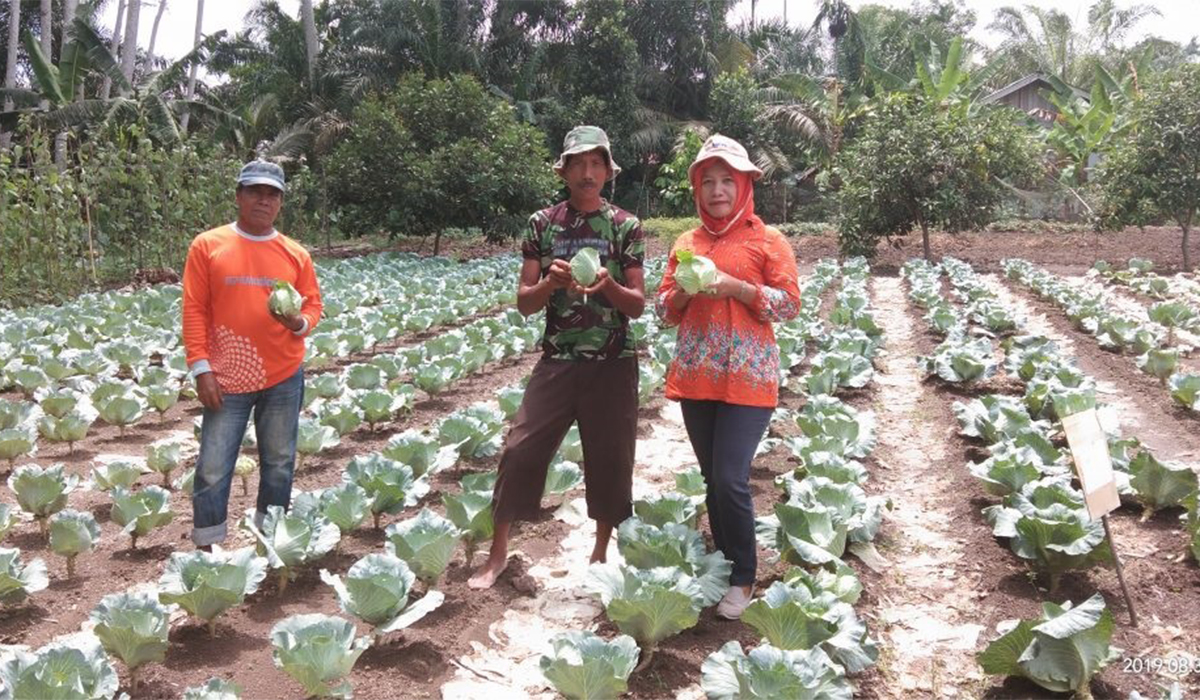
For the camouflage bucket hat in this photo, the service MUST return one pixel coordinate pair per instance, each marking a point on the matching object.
(582, 139)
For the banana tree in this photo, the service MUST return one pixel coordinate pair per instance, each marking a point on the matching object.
(149, 99)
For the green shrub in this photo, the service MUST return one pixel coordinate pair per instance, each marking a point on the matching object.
(667, 229)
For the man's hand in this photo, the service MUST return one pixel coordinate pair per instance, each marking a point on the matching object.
(602, 284)
(209, 391)
(559, 276)
(292, 323)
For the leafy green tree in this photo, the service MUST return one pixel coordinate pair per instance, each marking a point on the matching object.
(915, 165)
(1157, 166)
(601, 75)
(431, 155)
(674, 188)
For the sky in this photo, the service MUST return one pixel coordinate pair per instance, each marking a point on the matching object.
(1180, 19)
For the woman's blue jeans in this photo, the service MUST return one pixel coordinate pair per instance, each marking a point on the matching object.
(724, 437)
(276, 421)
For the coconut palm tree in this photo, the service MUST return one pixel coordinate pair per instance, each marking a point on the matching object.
(1045, 40)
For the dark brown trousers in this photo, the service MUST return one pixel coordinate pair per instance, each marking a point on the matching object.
(602, 396)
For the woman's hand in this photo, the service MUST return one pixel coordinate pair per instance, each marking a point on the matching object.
(729, 287)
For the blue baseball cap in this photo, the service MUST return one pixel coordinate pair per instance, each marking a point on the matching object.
(261, 172)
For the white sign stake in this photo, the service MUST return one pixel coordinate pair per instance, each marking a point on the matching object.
(1093, 464)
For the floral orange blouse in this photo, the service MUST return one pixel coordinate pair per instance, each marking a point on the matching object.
(726, 350)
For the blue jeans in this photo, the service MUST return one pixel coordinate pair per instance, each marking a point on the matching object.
(276, 421)
(724, 437)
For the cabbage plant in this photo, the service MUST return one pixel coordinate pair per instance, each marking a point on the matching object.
(1061, 651)
(16, 443)
(476, 430)
(840, 581)
(791, 617)
(73, 533)
(346, 505)
(379, 405)
(648, 546)
(829, 425)
(993, 417)
(767, 672)
(214, 689)
(342, 415)
(41, 492)
(803, 535)
(668, 507)
(122, 410)
(17, 579)
(76, 668)
(318, 652)
(390, 485)
(243, 468)
(165, 456)
(376, 590)
(206, 584)
(313, 438)
(471, 513)
(694, 273)
(1185, 390)
(510, 398)
(649, 605)
(1158, 484)
(7, 519)
(959, 360)
(425, 542)
(581, 664)
(141, 512)
(416, 449)
(1009, 468)
(132, 627)
(1174, 314)
(1047, 525)
(562, 476)
(571, 448)
(16, 414)
(289, 540)
(71, 427)
(1159, 363)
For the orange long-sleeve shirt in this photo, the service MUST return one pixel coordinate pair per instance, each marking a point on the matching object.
(226, 326)
(725, 350)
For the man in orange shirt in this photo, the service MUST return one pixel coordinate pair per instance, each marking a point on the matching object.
(244, 357)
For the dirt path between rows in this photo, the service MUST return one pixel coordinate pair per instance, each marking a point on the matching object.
(928, 599)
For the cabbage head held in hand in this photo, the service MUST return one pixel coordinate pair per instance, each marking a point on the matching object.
(284, 300)
(585, 267)
(694, 273)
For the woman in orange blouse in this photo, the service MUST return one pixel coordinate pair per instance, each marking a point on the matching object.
(726, 368)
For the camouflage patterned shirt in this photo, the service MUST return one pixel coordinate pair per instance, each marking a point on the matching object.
(595, 330)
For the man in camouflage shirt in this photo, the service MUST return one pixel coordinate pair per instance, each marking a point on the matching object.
(588, 371)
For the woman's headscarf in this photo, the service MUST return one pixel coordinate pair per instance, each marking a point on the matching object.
(744, 172)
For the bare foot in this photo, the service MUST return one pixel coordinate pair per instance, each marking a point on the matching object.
(600, 558)
(487, 574)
